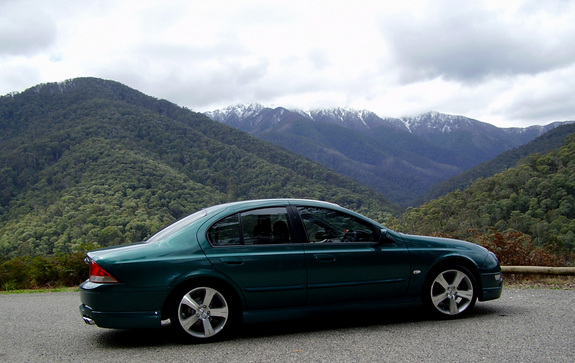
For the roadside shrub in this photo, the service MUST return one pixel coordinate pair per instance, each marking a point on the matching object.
(43, 272)
(518, 249)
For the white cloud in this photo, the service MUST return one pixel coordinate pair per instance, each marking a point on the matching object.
(547, 96)
(469, 43)
(24, 31)
(509, 63)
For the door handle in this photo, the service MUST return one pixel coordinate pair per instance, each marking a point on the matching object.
(232, 261)
(324, 257)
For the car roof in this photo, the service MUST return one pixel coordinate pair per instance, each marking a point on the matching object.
(273, 202)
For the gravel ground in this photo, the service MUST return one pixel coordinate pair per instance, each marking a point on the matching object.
(524, 325)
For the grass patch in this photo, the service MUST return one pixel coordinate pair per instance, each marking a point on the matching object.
(33, 291)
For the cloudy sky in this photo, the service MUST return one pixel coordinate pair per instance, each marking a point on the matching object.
(509, 63)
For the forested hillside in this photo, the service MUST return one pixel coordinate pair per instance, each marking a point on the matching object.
(399, 170)
(552, 139)
(90, 162)
(530, 208)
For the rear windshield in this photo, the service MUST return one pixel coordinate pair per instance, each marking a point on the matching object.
(175, 227)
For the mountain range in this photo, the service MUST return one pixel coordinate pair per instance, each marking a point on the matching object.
(401, 158)
(89, 162)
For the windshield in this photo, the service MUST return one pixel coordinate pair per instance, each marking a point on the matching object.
(175, 227)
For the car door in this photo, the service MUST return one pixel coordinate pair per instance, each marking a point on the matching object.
(256, 250)
(344, 261)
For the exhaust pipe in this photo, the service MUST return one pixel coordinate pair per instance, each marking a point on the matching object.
(88, 320)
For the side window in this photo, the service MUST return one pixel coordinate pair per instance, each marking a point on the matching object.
(266, 226)
(259, 226)
(225, 232)
(326, 225)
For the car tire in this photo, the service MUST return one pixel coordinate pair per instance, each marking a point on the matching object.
(204, 313)
(450, 292)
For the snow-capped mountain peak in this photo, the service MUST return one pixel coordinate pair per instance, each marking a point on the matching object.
(251, 116)
(345, 116)
(437, 122)
(239, 111)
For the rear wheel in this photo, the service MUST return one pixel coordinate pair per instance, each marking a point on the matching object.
(451, 291)
(203, 313)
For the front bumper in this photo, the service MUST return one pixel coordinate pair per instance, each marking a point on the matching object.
(492, 286)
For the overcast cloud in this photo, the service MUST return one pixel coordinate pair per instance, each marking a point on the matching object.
(509, 63)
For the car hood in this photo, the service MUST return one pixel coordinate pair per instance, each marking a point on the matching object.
(441, 248)
(440, 243)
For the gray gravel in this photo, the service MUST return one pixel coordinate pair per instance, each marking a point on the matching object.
(525, 325)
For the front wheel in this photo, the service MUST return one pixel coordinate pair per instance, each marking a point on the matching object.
(203, 313)
(451, 292)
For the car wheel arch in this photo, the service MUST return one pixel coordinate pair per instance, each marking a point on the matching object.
(191, 282)
(450, 262)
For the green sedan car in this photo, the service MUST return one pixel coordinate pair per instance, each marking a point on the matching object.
(263, 259)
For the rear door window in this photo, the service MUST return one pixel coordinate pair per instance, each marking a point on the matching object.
(255, 227)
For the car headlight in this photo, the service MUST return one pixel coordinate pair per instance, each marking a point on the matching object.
(494, 256)
(491, 260)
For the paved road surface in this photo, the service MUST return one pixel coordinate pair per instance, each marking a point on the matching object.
(525, 325)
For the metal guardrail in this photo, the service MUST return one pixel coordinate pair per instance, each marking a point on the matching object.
(539, 270)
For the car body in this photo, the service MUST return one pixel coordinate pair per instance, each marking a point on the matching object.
(262, 259)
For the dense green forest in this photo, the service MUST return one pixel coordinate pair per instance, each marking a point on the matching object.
(88, 163)
(530, 207)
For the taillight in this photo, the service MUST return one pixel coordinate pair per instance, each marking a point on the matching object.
(98, 274)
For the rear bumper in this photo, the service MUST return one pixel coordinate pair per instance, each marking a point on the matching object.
(120, 307)
(121, 320)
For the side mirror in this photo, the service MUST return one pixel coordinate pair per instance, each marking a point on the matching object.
(385, 236)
